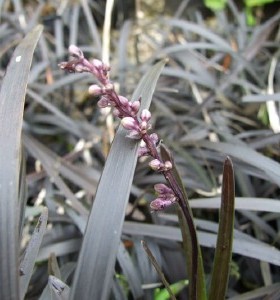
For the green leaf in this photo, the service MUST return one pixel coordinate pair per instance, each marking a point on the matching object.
(252, 3)
(95, 268)
(176, 288)
(223, 252)
(215, 4)
(251, 20)
(12, 97)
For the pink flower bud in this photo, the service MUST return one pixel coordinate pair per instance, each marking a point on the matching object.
(116, 113)
(80, 68)
(106, 67)
(95, 90)
(73, 66)
(134, 107)
(103, 102)
(144, 127)
(109, 86)
(129, 123)
(75, 51)
(155, 164)
(159, 204)
(154, 138)
(145, 115)
(161, 188)
(123, 101)
(98, 64)
(168, 165)
(143, 151)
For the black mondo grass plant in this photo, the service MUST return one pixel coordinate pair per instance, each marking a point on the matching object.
(137, 122)
(92, 241)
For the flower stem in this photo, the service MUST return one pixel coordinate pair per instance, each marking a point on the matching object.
(170, 178)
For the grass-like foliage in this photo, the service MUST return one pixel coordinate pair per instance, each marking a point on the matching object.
(196, 216)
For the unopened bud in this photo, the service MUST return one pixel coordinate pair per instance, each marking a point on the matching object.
(80, 68)
(103, 102)
(145, 115)
(106, 67)
(134, 106)
(75, 51)
(144, 127)
(95, 90)
(98, 64)
(116, 113)
(69, 66)
(168, 165)
(129, 123)
(161, 188)
(159, 204)
(154, 138)
(109, 86)
(155, 164)
(143, 151)
(123, 101)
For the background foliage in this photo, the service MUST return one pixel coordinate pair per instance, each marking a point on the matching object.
(218, 95)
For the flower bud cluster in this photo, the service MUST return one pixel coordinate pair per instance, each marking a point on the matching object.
(80, 64)
(137, 123)
(144, 149)
(159, 166)
(127, 107)
(165, 197)
(137, 128)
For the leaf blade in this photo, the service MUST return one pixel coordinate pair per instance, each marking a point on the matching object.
(12, 97)
(223, 252)
(106, 220)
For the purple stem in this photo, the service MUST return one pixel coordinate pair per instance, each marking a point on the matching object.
(185, 209)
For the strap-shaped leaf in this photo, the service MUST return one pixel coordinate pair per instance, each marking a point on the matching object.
(12, 98)
(223, 250)
(95, 269)
(197, 287)
(249, 247)
(269, 167)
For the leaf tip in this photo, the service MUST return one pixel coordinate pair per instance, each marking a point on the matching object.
(228, 162)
